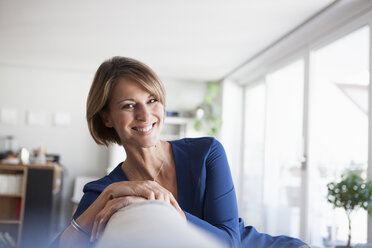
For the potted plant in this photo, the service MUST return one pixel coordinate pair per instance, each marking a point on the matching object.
(208, 113)
(352, 192)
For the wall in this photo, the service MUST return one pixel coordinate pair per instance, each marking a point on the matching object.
(184, 95)
(27, 88)
(41, 89)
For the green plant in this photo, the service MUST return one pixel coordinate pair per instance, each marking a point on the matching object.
(352, 192)
(208, 113)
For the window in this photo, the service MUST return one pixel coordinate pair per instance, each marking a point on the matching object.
(283, 150)
(338, 131)
(254, 123)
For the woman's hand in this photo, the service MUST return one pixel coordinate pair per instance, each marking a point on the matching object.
(110, 208)
(122, 194)
(149, 190)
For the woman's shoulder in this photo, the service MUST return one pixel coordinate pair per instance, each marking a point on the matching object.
(201, 145)
(100, 184)
(97, 185)
(201, 141)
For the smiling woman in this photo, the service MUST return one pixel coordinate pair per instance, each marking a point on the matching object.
(126, 105)
(135, 114)
(120, 73)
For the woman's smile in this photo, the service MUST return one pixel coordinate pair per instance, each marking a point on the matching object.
(144, 129)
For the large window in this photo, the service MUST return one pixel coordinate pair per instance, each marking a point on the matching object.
(283, 142)
(252, 200)
(338, 130)
(279, 185)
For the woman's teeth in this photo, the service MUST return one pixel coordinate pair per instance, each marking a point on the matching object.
(144, 129)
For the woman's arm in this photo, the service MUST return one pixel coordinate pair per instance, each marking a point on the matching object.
(72, 237)
(220, 211)
(98, 208)
(149, 190)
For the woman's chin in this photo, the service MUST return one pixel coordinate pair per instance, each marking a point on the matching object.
(146, 142)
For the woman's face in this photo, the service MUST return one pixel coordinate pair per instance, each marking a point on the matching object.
(135, 114)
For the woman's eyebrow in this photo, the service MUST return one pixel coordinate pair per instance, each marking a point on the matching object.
(127, 99)
(131, 99)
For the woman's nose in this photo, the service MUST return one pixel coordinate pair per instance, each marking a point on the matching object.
(142, 113)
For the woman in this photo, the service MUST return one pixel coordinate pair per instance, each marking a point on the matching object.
(126, 105)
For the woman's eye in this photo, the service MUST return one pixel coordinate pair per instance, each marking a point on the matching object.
(128, 106)
(153, 100)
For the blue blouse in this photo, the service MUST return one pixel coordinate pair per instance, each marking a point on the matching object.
(205, 192)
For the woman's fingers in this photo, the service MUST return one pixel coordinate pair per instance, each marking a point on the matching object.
(173, 202)
(151, 196)
(167, 198)
(160, 196)
(94, 229)
(137, 188)
(104, 215)
(149, 190)
(94, 234)
(110, 208)
(161, 193)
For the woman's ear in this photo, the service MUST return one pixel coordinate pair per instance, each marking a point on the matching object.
(106, 118)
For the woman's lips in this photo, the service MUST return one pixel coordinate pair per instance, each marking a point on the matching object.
(144, 130)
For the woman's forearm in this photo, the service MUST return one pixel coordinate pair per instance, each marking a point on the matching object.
(74, 238)
(86, 219)
(114, 197)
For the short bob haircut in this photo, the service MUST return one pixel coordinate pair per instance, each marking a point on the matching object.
(107, 75)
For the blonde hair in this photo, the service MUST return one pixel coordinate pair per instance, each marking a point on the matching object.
(104, 81)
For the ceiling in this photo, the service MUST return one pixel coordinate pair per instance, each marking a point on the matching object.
(198, 40)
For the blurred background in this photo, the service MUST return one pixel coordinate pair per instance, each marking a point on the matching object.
(283, 84)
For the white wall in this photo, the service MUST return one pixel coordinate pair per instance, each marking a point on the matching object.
(41, 89)
(26, 88)
(184, 95)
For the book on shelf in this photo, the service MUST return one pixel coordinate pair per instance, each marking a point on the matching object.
(11, 183)
(18, 209)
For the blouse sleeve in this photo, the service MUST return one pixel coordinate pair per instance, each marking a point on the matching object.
(87, 200)
(220, 212)
(91, 192)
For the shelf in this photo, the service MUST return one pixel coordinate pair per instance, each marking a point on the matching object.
(11, 167)
(19, 167)
(15, 222)
(11, 195)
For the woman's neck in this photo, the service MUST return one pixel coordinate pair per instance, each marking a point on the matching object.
(144, 163)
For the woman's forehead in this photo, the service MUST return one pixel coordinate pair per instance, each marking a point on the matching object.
(126, 87)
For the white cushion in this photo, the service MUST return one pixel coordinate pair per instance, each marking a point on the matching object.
(153, 224)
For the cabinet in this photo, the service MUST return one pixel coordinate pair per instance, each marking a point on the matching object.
(11, 203)
(30, 212)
